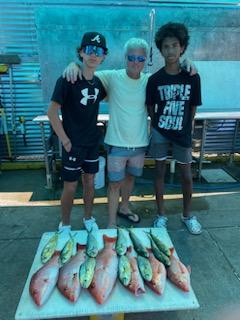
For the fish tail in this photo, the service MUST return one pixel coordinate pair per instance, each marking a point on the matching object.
(109, 239)
(57, 253)
(171, 251)
(80, 246)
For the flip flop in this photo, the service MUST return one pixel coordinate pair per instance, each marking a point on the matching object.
(129, 216)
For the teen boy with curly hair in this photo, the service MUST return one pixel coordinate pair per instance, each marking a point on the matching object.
(171, 98)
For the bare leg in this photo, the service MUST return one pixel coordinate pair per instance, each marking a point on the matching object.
(126, 191)
(88, 194)
(159, 185)
(187, 185)
(67, 198)
(113, 201)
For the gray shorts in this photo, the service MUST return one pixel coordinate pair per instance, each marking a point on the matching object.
(160, 147)
(122, 160)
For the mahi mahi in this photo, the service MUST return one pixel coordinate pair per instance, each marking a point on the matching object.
(67, 251)
(49, 248)
(138, 246)
(92, 245)
(121, 245)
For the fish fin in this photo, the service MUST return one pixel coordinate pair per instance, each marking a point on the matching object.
(109, 239)
(189, 269)
(171, 251)
(80, 246)
(149, 250)
(183, 267)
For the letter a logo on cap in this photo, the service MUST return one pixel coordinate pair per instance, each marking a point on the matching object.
(97, 38)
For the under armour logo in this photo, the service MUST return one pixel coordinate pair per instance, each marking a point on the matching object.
(72, 159)
(97, 38)
(87, 96)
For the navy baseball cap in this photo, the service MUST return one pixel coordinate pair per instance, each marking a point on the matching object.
(95, 39)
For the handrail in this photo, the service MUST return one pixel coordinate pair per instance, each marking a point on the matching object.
(218, 3)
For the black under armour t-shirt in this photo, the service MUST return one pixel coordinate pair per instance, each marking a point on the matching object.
(172, 97)
(79, 106)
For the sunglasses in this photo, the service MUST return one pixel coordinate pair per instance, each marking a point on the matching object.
(133, 58)
(90, 49)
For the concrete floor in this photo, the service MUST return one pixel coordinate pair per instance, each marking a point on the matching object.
(27, 210)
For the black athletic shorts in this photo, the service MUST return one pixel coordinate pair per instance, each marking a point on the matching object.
(79, 160)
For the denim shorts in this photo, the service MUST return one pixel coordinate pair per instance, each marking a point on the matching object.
(121, 160)
(160, 147)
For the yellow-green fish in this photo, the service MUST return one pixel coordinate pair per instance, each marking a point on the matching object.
(86, 272)
(145, 268)
(161, 246)
(121, 245)
(49, 248)
(124, 270)
(67, 251)
(159, 254)
(138, 246)
(92, 245)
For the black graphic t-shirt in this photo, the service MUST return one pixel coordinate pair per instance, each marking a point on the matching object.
(172, 97)
(79, 106)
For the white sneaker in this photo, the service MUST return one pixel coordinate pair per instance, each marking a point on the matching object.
(90, 224)
(193, 226)
(160, 222)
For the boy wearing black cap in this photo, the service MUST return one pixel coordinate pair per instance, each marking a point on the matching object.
(78, 131)
(172, 97)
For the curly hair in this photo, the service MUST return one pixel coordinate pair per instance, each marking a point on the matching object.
(176, 30)
(78, 49)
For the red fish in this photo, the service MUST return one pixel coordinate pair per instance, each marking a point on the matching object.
(68, 280)
(44, 280)
(179, 274)
(106, 270)
(158, 282)
(136, 285)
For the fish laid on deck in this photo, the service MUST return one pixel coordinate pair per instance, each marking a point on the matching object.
(49, 248)
(68, 280)
(179, 274)
(158, 282)
(44, 280)
(136, 285)
(106, 270)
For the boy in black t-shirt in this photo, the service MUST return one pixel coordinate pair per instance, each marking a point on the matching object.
(171, 98)
(78, 131)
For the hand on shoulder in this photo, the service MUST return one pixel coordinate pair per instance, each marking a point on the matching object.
(72, 72)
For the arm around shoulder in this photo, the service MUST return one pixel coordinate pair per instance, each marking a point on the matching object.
(72, 72)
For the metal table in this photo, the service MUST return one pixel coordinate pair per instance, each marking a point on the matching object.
(121, 300)
(206, 117)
